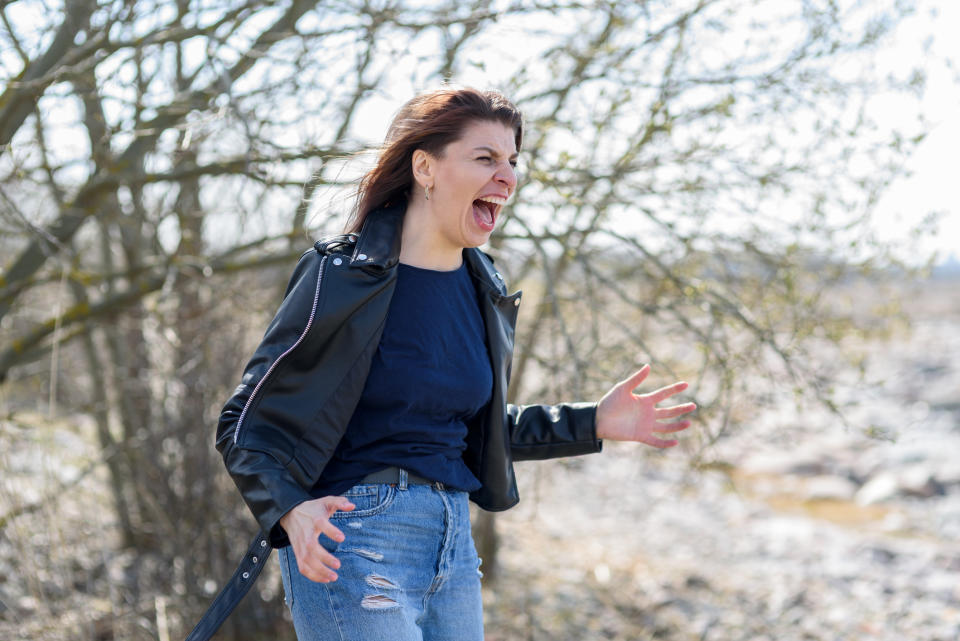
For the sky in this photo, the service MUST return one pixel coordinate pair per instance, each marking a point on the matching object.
(934, 185)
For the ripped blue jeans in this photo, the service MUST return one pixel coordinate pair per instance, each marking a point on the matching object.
(409, 570)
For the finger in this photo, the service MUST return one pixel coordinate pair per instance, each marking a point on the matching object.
(316, 563)
(324, 560)
(669, 428)
(659, 442)
(666, 392)
(320, 562)
(318, 573)
(633, 382)
(326, 527)
(341, 503)
(673, 412)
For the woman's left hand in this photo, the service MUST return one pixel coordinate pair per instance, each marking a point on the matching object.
(625, 416)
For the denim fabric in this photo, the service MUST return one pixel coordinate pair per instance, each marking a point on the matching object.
(409, 570)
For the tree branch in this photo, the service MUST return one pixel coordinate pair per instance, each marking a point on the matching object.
(86, 202)
(17, 100)
(140, 287)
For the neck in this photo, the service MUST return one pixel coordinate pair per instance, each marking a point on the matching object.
(421, 243)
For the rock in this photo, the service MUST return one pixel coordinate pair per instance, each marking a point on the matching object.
(919, 481)
(695, 581)
(882, 555)
(880, 488)
(948, 474)
(948, 562)
(27, 604)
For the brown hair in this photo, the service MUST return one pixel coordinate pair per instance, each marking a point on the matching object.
(429, 122)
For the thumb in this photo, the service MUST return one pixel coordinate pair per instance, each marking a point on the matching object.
(633, 382)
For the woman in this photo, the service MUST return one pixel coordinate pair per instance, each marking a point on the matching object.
(375, 406)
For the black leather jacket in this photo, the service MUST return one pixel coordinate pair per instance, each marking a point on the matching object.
(299, 390)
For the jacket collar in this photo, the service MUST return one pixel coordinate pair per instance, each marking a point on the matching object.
(481, 268)
(378, 247)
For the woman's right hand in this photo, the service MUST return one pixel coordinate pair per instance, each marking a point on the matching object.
(304, 524)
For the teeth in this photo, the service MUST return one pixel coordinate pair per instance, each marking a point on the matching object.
(496, 200)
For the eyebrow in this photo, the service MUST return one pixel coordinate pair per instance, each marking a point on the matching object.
(492, 151)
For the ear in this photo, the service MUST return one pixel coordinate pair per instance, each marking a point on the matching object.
(423, 167)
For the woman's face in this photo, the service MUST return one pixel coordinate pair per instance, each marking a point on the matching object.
(472, 182)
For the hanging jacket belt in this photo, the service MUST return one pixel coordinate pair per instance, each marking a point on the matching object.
(234, 590)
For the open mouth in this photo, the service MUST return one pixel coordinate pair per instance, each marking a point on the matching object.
(485, 211)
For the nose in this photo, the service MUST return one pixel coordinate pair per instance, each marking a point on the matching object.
(507, 176)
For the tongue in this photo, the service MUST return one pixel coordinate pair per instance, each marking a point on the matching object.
(482, 211)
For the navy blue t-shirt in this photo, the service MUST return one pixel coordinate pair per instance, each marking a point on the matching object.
(430, 375)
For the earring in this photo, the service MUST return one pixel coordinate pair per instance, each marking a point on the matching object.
(426, 192)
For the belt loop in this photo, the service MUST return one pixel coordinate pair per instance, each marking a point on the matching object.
(403, 479)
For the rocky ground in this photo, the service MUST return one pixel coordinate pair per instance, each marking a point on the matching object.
(799, 528)
(802, 529)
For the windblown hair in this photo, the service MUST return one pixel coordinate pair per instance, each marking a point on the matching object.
(430, 122)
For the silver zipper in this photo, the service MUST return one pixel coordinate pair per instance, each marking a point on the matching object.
(313, 311)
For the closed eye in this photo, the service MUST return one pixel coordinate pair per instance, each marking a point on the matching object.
(513, 163)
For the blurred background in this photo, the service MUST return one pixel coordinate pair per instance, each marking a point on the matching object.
(756, 196)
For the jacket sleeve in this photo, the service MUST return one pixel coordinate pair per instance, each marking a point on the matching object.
(552, 431)
(266, 485)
